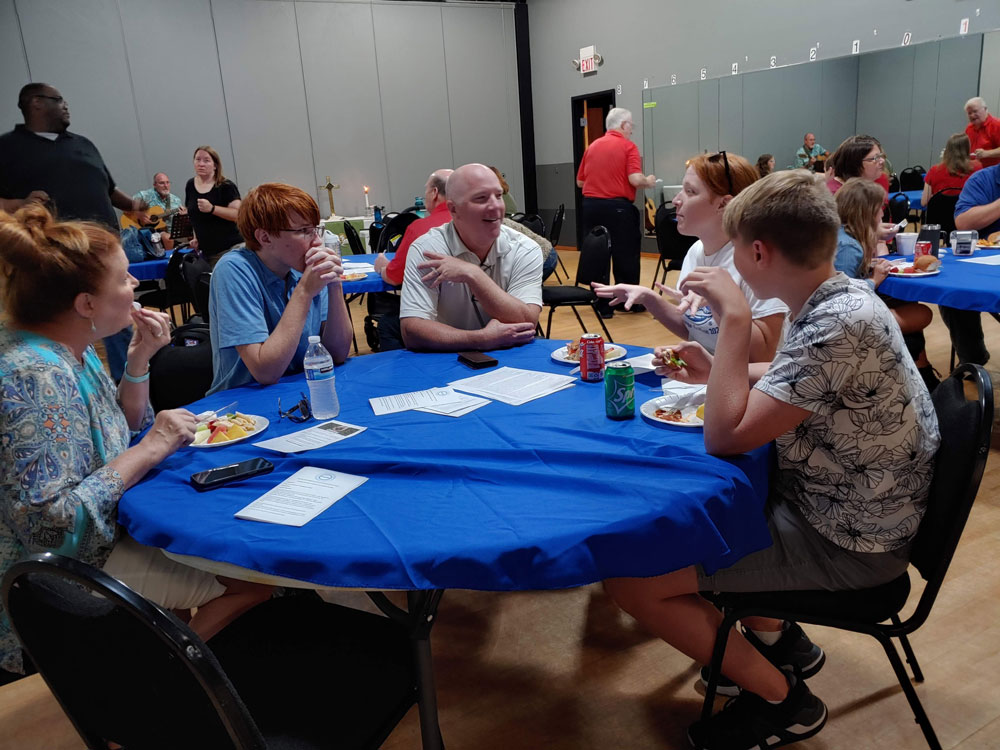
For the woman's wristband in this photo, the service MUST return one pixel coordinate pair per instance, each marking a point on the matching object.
(213, 209)
(136, 379)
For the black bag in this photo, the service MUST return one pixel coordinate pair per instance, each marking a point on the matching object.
(138, 245)
(181, 372)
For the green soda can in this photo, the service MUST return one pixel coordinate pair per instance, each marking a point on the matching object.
(619, 390)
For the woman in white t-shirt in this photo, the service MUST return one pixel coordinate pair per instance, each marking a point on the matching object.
(710, 182)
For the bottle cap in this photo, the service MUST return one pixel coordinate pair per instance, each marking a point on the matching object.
(314, 339)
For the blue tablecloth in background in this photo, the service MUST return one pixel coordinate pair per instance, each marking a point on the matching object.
(148, 270)
(967, 286)
(549, 494)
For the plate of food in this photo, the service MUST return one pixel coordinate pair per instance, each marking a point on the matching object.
(228, 429)
(570, 354)
(925, 265)
(354, 276)
(660, 411)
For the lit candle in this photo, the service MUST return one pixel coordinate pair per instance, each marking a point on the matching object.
(367, 205)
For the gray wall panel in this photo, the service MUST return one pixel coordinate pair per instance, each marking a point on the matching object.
(675, 130)
(779, 107)
(731, 116)
(481, 119)
(926, 79)
(989, 81)
(262, 77)
(708, 116)
(838, 102)
(414, 96)
(956, 83)
(885, 99)
(78, 48)
(342, 88)
(179, 99)
(13, 63)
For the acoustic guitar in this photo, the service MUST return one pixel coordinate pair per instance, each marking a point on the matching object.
(157, 218)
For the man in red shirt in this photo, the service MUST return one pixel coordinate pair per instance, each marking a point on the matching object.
(609, 173)
(983, 131)
(436, 202)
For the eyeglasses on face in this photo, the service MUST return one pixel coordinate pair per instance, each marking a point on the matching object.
(729, 174)
(877, 157)
(304, 232)
(298, 413)
(56, 99)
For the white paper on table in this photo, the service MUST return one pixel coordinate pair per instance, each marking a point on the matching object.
(355, 267)
(312, 437)
(457, 408)
(432, 397)
(642, 363)
(301, 497)
(512, 385)
(986, 260)
(686, 394)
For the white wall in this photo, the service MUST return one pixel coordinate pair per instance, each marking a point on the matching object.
(367, 91)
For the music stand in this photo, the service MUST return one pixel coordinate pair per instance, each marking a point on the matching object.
(180, 228)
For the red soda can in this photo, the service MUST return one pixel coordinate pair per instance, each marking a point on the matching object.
(922, 247)
(592, 357)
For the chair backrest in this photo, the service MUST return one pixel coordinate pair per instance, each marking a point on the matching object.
(940, 209)
(673, 245)
(894, 183)
(533, 222)
(353, 239)
(899, 207)
(595, 258)
(123, 670)
(181, 372)
(912, 178)
(964, 407)
(177, 287)
(192, 266)
(557, 221)
(392, 235)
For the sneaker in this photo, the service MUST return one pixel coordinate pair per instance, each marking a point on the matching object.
(637, 309)
(793, 652)
(606, 312)
(748, 722)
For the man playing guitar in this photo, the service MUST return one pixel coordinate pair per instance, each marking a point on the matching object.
(162, 205)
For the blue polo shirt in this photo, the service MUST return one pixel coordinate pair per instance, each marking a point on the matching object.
(981, 188)
(245, 303)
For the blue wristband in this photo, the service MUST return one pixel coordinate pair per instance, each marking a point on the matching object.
(132, 379)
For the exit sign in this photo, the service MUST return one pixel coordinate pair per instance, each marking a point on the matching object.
(588, 60)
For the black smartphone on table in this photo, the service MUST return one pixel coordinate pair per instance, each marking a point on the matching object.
(476, 360)
(222, 475)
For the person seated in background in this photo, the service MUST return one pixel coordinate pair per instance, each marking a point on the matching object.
(268, 298)
(838, 522)
(859, 205)
(159, 195)
(809, 153)
(978, 208)
(472, 283)
(436, 203)
(862, 156)
(549, 257)
(983, 131)
(953, 170)
(65, 428)
(509, 204)
(765, 164)
(709, 184)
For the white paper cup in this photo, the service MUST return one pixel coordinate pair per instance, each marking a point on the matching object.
(906, 242)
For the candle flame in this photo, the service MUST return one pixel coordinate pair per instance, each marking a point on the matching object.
(366, 188)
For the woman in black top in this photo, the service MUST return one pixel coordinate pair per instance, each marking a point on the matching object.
(212, 202)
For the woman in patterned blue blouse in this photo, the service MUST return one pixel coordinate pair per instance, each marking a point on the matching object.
(65, 428)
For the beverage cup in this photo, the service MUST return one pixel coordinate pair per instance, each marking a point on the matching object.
(906, 242)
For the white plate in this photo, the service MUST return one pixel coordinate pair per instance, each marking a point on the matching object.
(648, 411)
(914, 275)
(611, 353)
(261, 425)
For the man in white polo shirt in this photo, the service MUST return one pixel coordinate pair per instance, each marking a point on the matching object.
(472, 283)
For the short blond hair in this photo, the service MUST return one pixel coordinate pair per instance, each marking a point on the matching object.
(792, 212)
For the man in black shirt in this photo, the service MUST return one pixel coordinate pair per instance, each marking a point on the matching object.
(42, 160)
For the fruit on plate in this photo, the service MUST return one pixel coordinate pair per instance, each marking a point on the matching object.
(223, 429)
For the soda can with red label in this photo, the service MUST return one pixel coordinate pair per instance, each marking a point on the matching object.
(592, 358)
(923, 247)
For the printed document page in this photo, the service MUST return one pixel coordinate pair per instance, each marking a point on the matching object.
(301, 497)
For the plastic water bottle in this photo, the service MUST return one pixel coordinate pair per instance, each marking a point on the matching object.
(318, 365)
(421, 208)
(331, 241)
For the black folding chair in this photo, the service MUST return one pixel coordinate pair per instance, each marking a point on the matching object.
(293, 673)
(594, 265)
(554, 231)
(353, 239)
(940, 209)
(912, 178)
(392, 235)
(899, 207)
(964, 407)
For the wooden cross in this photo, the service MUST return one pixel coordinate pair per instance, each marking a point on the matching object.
(329, 187)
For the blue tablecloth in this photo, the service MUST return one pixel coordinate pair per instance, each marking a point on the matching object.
(967, 286)
(916, 198)
(549, 494)
(156, 269)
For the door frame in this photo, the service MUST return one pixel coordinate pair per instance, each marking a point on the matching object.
(577, 108)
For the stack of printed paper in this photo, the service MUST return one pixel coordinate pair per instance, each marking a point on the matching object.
(514, 386)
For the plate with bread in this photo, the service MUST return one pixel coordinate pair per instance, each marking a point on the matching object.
(570, 354)
(925, 265)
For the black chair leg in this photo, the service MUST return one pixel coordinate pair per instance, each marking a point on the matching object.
(715, 668)
(354, 336)
(656, 272)
(911, 658)
(607, 333)
(548, 328)
(561, 264)
(911, 694)
(538, 330)
(577, 314)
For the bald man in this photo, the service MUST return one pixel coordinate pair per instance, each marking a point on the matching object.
(810, 152)
(472, 283)
(983, 131)
(160, 195)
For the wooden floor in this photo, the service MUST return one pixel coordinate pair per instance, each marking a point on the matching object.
(565, 670)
